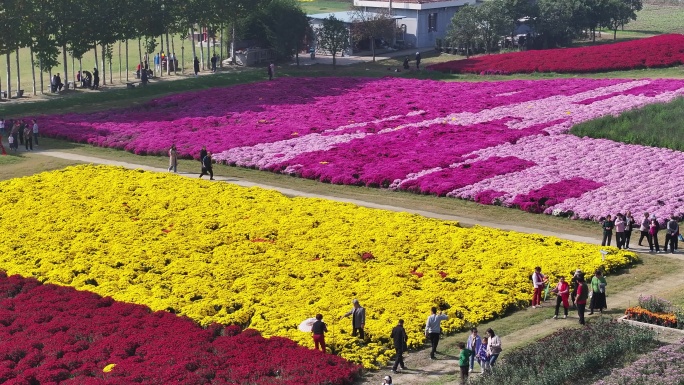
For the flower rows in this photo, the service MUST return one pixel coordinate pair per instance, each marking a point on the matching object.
(219, 253)
(492, 142)
(664, 366)
(654, 52)
(642, 315)
(52, 334)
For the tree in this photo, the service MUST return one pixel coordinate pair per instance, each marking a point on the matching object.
(557, 22)
(333, 36)
(280, 25)
(464, 28)
(494, 23)
(620, 12)
(372, 26)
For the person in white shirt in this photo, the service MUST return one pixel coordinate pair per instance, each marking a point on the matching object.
(433, 329)
(538, 281)
(2, 127)
(35, 132)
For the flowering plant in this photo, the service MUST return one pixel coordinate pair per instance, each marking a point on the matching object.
(653, 52)
(187, 247)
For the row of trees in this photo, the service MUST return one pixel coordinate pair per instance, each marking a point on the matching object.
(556, 22)
(52, 28)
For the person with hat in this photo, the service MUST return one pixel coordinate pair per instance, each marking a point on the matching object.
(386, 380)
(358, 314)
(573, 287)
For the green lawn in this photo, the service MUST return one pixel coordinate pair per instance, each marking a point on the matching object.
(322, 6)
(658, 125)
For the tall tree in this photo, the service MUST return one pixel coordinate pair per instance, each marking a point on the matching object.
(621, 12)
(372, 26)
(464, 27)
(333, 36)
(494, 23)
(280, 25)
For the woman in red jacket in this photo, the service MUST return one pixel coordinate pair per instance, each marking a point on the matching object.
(563, 292)
(582, 295)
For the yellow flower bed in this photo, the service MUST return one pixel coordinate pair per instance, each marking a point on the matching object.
(219, 253)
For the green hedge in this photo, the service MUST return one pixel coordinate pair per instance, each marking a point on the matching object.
(569, 355)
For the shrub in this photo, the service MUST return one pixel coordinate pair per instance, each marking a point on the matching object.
(584, 350)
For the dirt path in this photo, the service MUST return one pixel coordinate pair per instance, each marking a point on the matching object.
(422, 370)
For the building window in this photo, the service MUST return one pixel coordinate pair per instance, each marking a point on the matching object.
(432, 22)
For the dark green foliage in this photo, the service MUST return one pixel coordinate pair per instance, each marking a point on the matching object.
(569, 355)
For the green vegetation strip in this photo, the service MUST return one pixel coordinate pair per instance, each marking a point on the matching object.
(657, 125)
(570, 355)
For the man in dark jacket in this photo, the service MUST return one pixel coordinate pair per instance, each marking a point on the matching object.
(206, 166)
(196, 66)
(400, 340)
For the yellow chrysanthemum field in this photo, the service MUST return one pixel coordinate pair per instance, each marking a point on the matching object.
(215, 252)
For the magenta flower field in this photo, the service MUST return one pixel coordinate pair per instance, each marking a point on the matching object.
(491, 142)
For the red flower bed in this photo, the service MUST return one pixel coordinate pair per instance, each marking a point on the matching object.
(51, 334)
(654, 52)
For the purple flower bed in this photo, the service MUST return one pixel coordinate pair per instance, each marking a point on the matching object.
(664, 366)
(501, 142)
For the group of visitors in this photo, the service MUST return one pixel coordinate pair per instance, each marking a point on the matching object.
(577, 290)
(89, 80)
(406, 61)
(19, 133)
(649, 228)
(204, 157)
(161, 60)
(485, 351)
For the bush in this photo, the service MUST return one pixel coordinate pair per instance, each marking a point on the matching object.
(569, 354)
(655, 304)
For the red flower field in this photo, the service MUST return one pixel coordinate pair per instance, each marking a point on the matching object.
(654, 52)
(56, 335)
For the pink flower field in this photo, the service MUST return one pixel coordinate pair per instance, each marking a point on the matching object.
(491, 142)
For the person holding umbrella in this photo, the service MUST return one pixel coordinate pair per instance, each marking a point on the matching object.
(319, 328)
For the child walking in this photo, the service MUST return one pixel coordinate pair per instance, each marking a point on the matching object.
(464, 361)
(482, 356)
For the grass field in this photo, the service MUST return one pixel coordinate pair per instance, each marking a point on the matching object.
(322, 6)
(657, 125)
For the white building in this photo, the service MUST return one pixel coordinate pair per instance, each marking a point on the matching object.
(424, 21)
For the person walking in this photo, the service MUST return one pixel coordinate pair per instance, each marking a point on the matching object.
(643, 228)
(582, 295)
(173, 158)
(653, 229)
(463, 359)
(2, 127)
(196, 66)
(598, 293)
(493, 347)
(608, 226)
(562, 293)
(214, 58)
(35, 132)
(318, 329)
(629, 227)
(433, 329)
(474, 343)
(207, 168)
(538, 282)
(400, 339)
(620, 225)
(406, 63)
(417, 60)
(672, 229)
(358, 314)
